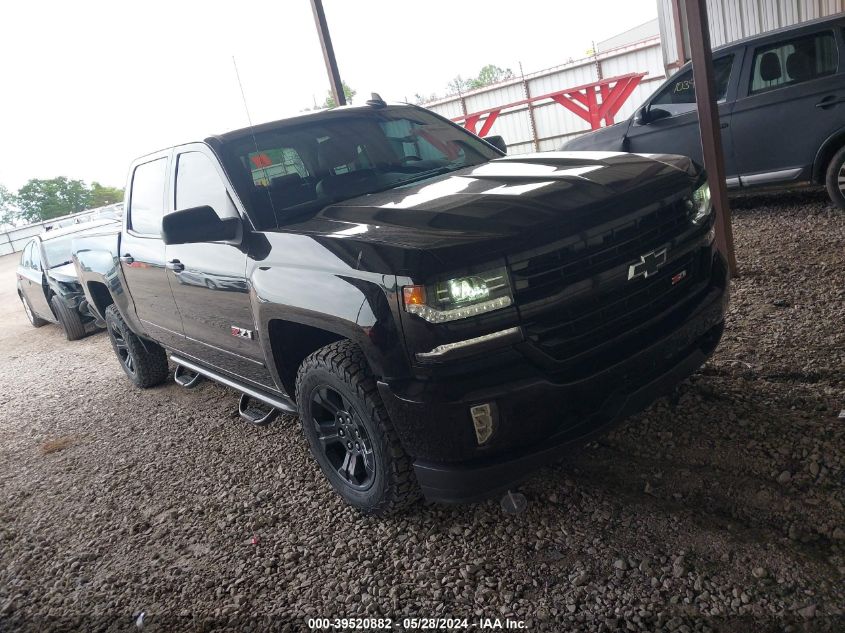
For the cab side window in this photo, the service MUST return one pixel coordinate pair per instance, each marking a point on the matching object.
(679, 95)
(146, 202)
(198, 184)
(794, 61)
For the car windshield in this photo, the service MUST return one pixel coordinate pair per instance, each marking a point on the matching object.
(294, 169)
(57, 250)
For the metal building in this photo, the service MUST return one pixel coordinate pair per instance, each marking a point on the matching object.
(732, 20)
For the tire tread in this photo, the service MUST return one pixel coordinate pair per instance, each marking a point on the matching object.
(346, 360)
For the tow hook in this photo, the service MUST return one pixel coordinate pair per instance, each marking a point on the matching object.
(186, 378)
(255, 411)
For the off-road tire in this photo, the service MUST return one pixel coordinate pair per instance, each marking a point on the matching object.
(835, 178)
(69, 319)
(341, 367)
(34, 320)
(148, 366)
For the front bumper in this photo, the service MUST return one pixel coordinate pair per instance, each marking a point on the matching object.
(539, 418)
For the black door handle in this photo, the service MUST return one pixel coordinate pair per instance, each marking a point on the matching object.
(724, 126)
(127, 259)
(175, 265)
(829, 101)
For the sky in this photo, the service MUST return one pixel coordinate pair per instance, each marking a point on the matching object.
(90, 85)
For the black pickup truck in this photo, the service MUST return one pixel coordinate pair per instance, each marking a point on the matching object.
(443, 318)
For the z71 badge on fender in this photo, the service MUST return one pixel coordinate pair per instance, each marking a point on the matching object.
(241, 332)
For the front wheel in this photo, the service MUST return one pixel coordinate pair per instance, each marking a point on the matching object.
(69, 319)
(144, 362)
(350, 433)
(835, 179)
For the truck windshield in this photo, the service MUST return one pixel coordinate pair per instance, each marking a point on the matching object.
(294, 169)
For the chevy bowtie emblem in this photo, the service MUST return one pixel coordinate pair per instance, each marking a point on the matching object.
(648, 265)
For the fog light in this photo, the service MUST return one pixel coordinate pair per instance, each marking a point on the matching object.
(482, 420)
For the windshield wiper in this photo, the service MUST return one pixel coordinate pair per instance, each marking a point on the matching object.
(70, 261)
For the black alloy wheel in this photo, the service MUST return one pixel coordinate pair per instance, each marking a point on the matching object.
(143, 361)
(343, 438)
(121, 348)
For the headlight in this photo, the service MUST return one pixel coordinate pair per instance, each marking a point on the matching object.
(460, 297)
(702, 205)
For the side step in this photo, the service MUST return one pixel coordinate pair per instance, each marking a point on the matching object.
(256, 412)
(186, 378)
(276, 401)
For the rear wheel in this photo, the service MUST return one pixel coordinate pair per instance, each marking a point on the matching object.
(144, 362)
(349, 432)
(35, 321)
(835, 179)
(69, 319)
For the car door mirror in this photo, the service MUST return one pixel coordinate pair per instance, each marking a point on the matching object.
(648, 115)
(199, 224)
(498, 142)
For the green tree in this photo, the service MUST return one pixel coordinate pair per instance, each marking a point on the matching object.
(101, 196)
(45, 199)
(457, 85)
(8, 210)
(490, 74)
(348, 92)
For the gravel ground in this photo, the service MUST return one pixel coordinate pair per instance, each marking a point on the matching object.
(720, 509)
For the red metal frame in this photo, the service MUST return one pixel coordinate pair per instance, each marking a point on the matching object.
(593, 102)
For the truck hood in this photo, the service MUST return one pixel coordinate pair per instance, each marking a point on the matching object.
(505, 205)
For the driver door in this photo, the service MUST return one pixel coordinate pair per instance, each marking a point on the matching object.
(678, 133)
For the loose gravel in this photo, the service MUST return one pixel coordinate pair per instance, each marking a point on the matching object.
(719, 509)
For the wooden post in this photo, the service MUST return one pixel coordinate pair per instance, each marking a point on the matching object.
(708, 118)
(328, 52)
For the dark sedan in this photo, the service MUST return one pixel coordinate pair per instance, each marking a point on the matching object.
(48, 285)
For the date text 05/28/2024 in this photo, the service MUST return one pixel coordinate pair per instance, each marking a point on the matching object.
(414, 624)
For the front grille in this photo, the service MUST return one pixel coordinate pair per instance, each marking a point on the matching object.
(543, 274)
(578, 308)
(596, 325)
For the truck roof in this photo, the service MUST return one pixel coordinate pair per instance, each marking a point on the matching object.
(307, 116)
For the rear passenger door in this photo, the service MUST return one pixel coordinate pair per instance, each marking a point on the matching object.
(142, 252)
(208, 278)
(792, 98)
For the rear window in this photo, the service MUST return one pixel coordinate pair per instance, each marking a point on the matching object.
(146, 203)
(794, 61)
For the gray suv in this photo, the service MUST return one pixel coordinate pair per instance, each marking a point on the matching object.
(781, 103)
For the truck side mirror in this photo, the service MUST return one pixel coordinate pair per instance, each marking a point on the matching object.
(198, 224)
(498, 142)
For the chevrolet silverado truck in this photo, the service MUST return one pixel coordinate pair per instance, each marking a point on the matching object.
(444, 319)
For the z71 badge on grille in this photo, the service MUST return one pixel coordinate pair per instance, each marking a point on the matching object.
(648, 265)
(241, 332)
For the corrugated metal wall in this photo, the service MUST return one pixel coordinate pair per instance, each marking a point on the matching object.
(553, 122)
(732, 20)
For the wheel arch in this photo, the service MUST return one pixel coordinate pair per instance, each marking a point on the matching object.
(832, 144)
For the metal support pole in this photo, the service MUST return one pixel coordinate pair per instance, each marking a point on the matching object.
(677, 24)
(708, 118)
(328, 52)
(531, 122)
